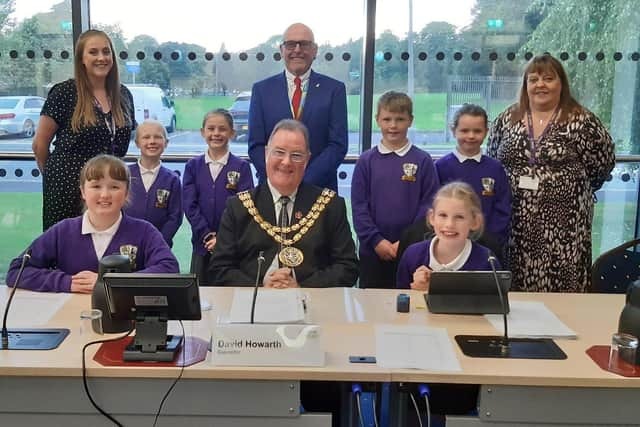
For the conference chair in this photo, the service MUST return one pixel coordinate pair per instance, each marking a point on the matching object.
(616, 269)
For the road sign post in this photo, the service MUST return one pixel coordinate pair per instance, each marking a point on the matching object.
(134, 68)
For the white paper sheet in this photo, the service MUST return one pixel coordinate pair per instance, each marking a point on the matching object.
(272, 306)
(32, 309)
(531, 319)
(417, 347)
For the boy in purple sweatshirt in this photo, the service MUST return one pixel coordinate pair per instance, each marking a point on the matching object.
(392, 187)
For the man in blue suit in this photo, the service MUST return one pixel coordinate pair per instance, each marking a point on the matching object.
(319, 101)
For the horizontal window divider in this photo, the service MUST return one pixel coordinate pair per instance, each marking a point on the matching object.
(350, 159)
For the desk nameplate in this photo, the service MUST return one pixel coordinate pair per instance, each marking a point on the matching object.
(267, 345)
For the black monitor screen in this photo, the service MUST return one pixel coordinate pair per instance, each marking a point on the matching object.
(132, 295)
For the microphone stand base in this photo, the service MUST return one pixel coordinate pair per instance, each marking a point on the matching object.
(514, 348)
(35, 339)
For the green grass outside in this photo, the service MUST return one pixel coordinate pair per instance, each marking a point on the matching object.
(190, 111)
(429, 110)
(607, 233)
(353, 112)
(20, 223)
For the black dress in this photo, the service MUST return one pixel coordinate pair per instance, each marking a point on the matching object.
(60, 180)
(550, 245)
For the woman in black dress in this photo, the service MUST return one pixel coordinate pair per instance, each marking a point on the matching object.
(89, 115)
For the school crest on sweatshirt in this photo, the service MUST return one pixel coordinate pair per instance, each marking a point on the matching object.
(162, 198)
(130, 251)
(233, 177)
(487, 186)
(409, 170)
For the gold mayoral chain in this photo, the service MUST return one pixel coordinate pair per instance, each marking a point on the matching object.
(289, 256)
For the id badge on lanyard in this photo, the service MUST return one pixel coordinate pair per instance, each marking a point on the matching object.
(112, 131)
(529, 182)
(532, 182)
(111, 126)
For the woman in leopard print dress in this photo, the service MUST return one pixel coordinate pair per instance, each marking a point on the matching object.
(557, 154)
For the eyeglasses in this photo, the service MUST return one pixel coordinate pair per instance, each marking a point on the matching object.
(295, 157)
(291, 44)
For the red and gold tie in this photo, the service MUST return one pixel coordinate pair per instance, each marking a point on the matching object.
(297, 97)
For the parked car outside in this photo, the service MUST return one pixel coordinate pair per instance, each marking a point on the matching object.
(150, 102)
(19, 115)
(240, 112)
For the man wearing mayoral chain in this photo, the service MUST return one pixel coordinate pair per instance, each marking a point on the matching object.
(301, 229)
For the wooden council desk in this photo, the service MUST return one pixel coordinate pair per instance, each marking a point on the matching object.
(45, 388)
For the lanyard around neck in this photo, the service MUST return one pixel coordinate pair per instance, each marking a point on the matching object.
(110, 124)
(533, 141)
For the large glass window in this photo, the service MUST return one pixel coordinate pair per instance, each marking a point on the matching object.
(206, 55)
(203, 55)
(35, 52)
(468, 51)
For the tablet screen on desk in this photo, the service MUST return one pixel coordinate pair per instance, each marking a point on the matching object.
(467, 292)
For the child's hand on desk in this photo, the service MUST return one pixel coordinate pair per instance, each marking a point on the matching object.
(386, 250)
(83, 282)
(421, 279)
(280, 279)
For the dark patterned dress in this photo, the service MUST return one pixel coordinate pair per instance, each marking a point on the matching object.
(60, 180)
(550, 245)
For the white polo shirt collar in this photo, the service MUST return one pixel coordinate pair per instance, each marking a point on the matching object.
(222, 160)
(100, 238)
(462, 158)
(454, 265)
(402, 151)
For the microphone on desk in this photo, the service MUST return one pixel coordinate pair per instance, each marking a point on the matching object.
(505, 339)
(5, 332)
(255, 287)
(503, 346)
(28, 339)
(115, 263)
